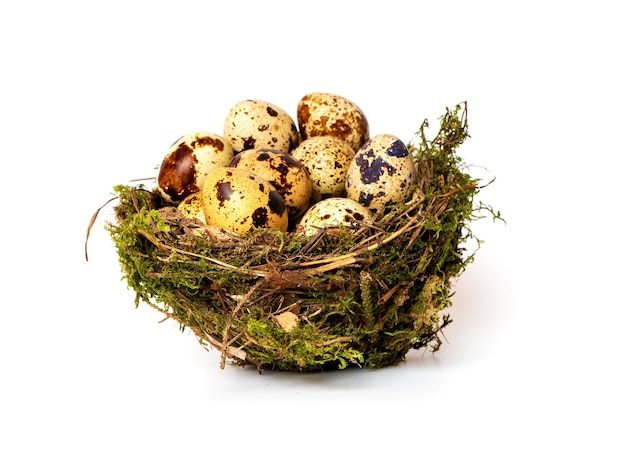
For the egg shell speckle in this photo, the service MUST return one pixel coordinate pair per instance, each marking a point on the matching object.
(333, 212)
(328, 114)
(255, 124)
(381, 173)
(327, 160)
(240, 201)
(187, 163)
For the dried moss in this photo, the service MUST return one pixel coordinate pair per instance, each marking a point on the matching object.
(287, 302)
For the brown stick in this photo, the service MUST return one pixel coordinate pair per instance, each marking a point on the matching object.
(93, 221)
(333, 341)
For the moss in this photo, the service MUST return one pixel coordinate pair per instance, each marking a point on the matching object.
(287, 302)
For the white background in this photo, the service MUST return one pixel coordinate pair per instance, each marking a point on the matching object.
(93, 93)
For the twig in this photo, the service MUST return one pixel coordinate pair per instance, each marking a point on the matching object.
(93, 221)
(333, 341)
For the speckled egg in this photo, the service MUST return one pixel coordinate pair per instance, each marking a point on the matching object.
(240, 201)
(326, 159)
(329, 114)
(192, 207)
(285, 173)
(334, 212)
(255, 124)
(381, 173)
(187, 163)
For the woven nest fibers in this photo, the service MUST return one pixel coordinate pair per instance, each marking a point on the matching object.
(343, 297)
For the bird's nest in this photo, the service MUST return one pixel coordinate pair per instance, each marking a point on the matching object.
(343, 297)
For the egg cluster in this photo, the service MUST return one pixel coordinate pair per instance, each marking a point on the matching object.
(266, 171)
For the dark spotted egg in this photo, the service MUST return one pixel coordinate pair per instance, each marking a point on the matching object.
(322, 113)
(327, 160)
(240, 201)
(333, 212)
(187, 163)
(191, 207)
(255, 124)
(382, 173)
(285, 173)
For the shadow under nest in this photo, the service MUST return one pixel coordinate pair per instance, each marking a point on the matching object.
(341, 298)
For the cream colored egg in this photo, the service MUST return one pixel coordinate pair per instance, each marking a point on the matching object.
(188, 161)
(334, 212)
(329, 114)
(240, 201)
(382, 173)
(192, 207)
(326, 159)
(255, 124)
(284, 172)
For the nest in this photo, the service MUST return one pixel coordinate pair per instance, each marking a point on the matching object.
(341, 298)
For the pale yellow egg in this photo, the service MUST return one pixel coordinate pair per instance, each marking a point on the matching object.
(240, 201)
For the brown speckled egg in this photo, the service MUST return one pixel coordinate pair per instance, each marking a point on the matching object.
(334, 212)
(285, 173)
(327, 159)
(381, 173)
(192, 208)
(328, 114)
(255, 124)
(240, 201)
(187, 163)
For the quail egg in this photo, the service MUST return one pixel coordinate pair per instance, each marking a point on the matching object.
(329, 114)
(381, 173)
(240, 201)
(326, 159)
(334, 212)
(187, 163)
(285, 173)
(253, 124)
(192, 208)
